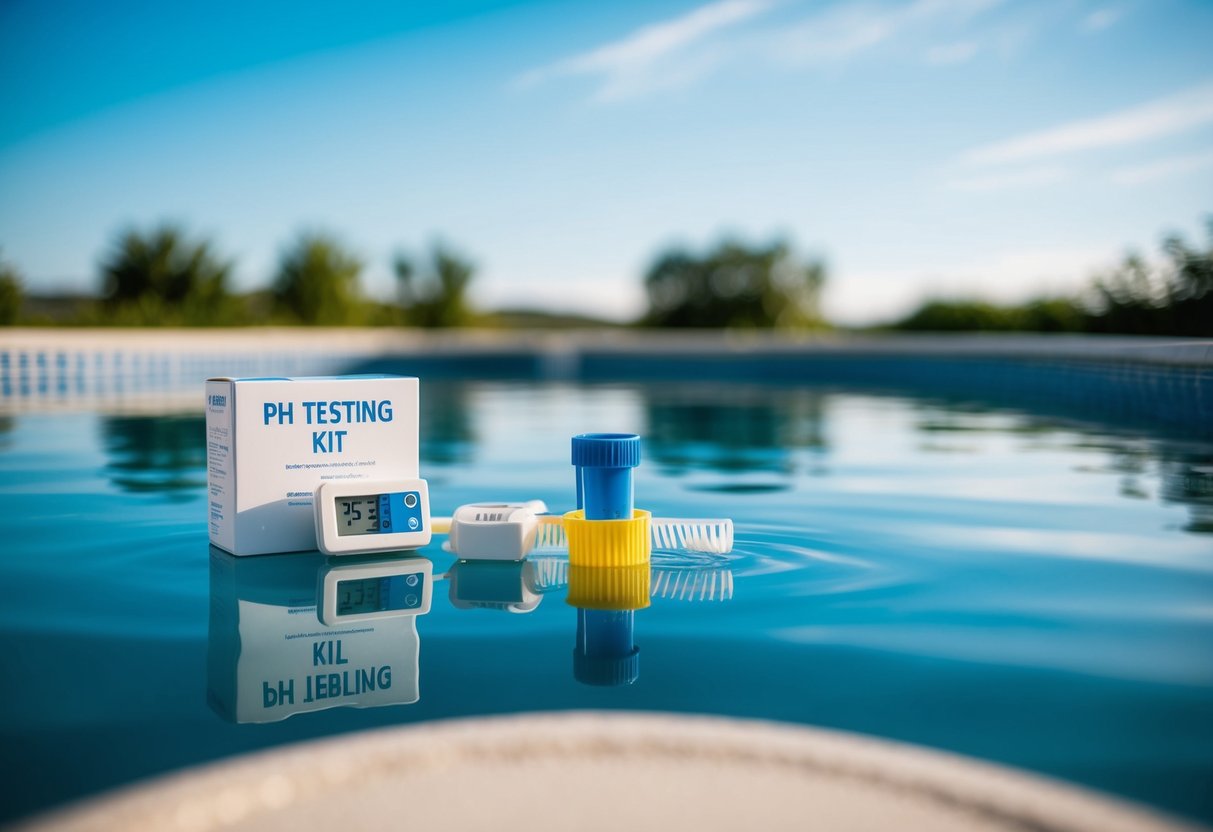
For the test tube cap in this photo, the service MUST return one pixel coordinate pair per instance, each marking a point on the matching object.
(606, 450)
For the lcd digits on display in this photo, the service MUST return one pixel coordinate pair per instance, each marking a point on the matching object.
(358, 515)
(369, 595)
(395, 592)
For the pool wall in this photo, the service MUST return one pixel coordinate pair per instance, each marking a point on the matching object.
(1158, 382)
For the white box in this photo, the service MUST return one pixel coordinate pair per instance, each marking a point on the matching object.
(271, 441)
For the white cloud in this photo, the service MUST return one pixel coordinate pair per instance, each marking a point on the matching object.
(628, 66)
(849, 28)
(1165, 116)
(1010, 179)
(836, 33)
(676, 52)
(1101, 19)
(950, 54)
(1162, 168)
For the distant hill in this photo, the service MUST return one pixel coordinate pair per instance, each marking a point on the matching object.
(539, 319)
(255, 307)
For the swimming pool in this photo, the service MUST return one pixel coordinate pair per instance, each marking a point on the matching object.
(1026, 584)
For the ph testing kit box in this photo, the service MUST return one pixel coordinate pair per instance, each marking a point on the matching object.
(270, 442)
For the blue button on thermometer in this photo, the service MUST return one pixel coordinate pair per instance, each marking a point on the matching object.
(360, 516)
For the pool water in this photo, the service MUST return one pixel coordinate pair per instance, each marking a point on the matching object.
(1019, 587)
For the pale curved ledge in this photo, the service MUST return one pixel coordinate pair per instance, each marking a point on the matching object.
(603, 771)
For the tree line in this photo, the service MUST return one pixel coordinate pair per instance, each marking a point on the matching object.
(164, 276)
(1170, 296)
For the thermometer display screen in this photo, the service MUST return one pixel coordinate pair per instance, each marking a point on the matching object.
(394, 592)
(358, 515)
(378, 513)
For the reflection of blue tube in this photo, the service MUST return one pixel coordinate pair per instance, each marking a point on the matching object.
(605, 654)
(604, 463)
(604, 632)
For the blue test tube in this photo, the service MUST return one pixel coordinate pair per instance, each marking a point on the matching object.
(606, 653)
(604, 463)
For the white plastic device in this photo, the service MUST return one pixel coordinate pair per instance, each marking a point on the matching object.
(495, 531)
(362, 516)
(355, 592)
(511, 531)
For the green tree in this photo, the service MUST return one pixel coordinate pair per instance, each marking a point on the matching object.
(734, 286)
(1193, 268)
(1060, 314)
(1174, 297)
(161, 276)
(1039, 315)
(941, 315)
(317, 281)
(1137, 297)
(433, 293)
(11, 294)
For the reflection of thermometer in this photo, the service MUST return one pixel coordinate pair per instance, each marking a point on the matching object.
(358, 516)
(375, 589)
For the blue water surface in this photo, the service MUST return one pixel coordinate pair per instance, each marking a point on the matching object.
(1016, 586)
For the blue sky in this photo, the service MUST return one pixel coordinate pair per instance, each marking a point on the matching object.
(919, 146)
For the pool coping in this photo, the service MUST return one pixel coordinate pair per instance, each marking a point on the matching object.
(564, 345)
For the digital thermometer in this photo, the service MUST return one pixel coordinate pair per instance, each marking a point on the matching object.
(361, 516)
(355, 592)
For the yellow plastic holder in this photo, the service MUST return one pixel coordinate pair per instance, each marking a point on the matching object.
(607, 543)
(614, 588)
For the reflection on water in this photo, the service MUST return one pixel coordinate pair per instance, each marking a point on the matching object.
(699, 582)
(270, 656)
(1188, 479)
(278, 646)
(446, 414)
(1015, 586)
(1164, 468)
(512, 586)
(605, 653)
(732, 429)
(156, 454)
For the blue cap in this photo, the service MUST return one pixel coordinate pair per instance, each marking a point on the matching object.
(606, 450)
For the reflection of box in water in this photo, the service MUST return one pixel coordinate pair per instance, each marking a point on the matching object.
(269, 657)
(272, 441)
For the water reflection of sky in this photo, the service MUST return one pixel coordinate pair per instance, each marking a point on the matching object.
(1012, 585)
